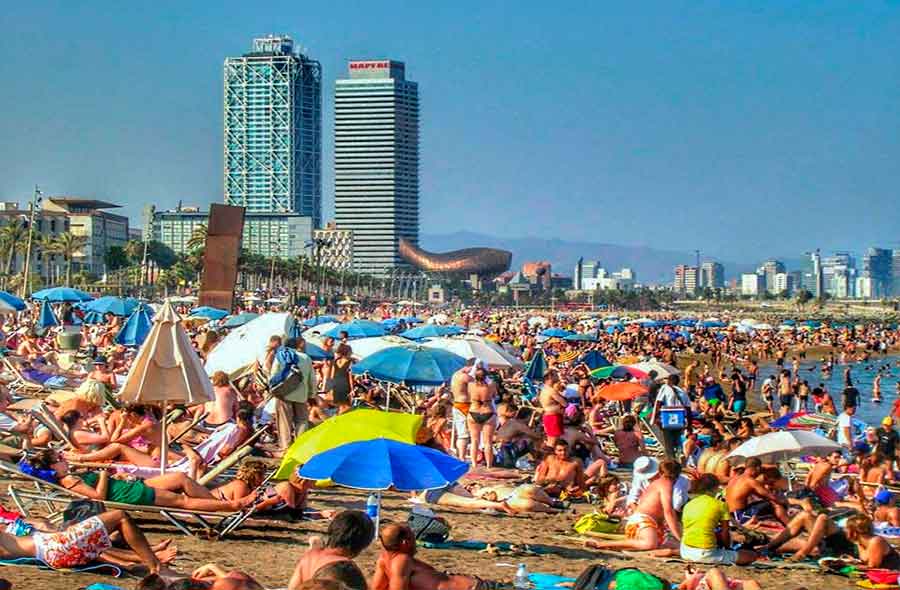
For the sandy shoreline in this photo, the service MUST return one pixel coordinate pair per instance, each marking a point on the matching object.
(269, 551)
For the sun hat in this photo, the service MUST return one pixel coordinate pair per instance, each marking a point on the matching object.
(887, 421)
(646, 467)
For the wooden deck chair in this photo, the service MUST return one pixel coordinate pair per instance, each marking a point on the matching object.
(27, 492)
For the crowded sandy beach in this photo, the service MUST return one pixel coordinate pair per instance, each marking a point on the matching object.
(384, 446)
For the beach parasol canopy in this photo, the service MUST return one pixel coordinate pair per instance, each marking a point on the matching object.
(622, 390)
(120, 306)
(319, 319)
(411, 364)
(470, 347)
(316, 352)
(431, 331)
(12, 301)
(357, 329)
(663, 370)
(183, 299)
(47, 318)
(212, 313)
(439, 318)
(60, 295)
(618, 372)
(166, 369)
(236, 321)
(536, 368)
(594, 360)
(581, 338)
(93, 317)
(782, 445)
(555, 333)
(356, 425)
(137, 327)
(245, 345)
(347, 302)
(382, 464)
(365, 347)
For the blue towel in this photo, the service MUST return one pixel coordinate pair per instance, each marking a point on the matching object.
(548, 581)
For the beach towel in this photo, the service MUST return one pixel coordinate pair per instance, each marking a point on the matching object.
(221, 437)
(97, 568)
(549, 581)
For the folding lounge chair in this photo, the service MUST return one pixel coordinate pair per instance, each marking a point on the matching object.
(21, 385)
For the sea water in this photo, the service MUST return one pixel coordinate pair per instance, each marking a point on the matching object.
(861, 373)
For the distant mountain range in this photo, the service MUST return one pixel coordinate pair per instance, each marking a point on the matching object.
(650, 264)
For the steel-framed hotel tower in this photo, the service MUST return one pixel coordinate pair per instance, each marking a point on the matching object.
(376, 162)
(273, 130)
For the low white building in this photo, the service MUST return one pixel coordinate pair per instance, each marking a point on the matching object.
(752, 284)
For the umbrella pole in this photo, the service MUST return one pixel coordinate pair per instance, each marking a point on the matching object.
(378, 514)
(165, 441)
(387, 405)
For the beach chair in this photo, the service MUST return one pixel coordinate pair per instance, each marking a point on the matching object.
(28, 492)
(20, 385)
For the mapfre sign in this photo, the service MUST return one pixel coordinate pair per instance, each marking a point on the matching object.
(370, 65)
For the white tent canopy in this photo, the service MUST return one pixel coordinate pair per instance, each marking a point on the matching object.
(246, 344)
(363, 347)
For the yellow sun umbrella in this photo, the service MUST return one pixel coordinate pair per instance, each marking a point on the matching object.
(353, 426)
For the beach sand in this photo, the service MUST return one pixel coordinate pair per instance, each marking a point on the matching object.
(269, 550)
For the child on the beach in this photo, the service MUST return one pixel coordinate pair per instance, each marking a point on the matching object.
(714, 579)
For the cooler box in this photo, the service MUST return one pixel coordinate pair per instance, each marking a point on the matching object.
(673, 418)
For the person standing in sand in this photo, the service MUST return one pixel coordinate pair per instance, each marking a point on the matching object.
(482, 418)
(459, 389)
(553, 403)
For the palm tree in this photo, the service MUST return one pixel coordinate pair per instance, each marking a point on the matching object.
(198, 237)
(134, 249)
(68, 246)
(12, 239)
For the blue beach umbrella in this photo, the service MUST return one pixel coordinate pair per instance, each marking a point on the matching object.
(713, 324)
(120, 306)
(556, 333)
(594, 360)
(12, 301)
(316, 352)
(581, 338)
(61, 294)
(431, 331)
(412, 365)
(136, 327)
(357, 329)
(319, 319)
(239, 320)
(536, 368)
(381, 464)
(212, 313)
(412, 320)
(47, 319)
(92, 317)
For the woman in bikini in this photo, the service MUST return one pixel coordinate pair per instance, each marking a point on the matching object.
(482, 419)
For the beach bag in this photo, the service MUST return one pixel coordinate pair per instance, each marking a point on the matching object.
(426, 526)
(290, 383)
(598, 577)
(596, 522)
(81, 510)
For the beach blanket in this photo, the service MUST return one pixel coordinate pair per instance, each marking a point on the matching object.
(549, 581)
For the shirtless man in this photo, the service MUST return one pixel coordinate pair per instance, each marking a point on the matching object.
(482, 418)
(558, 472)
(459, 389)
(553, 404)
(738, 495)
(653, 517)
(398, 569)
(103, 374)
(349, 533)
(818, 480)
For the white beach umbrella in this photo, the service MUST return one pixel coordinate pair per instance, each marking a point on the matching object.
(438, 318)
(663, 370)
(474, 347)
(363, 347)
(247, 344)
(166, 369)
(782, 445)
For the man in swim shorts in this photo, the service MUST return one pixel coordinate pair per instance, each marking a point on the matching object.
(553, 404)
(459, 388)
(738, 495)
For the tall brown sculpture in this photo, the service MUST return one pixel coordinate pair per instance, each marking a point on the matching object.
(220, 257)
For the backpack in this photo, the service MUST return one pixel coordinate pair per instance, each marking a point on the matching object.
(598, 577)
(291, 382)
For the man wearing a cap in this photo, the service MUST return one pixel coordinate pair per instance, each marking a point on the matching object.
(654, 515)
(888, 438)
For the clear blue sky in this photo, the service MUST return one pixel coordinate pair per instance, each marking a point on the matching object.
(744, 128)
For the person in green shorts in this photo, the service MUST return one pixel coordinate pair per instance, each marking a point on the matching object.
(172, 490)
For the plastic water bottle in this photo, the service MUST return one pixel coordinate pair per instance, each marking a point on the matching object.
(372, 506)
(521, 582)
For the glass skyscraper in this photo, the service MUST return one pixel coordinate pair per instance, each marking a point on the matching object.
(273, 130)
(376, 162)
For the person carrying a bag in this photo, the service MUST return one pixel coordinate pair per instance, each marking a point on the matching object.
(292, 382)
